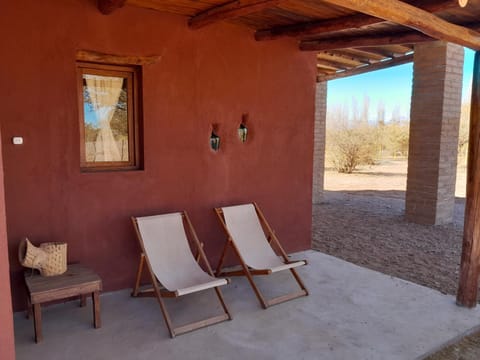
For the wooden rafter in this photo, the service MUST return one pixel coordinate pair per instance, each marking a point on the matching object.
(326, 70)
(363, 55)
(229, 10)
(341, 59)
(400, 49)
(334, 64)
(367, 68)
(347, 22)
(407, 15)
(108, 6)
(408, 37)
(384, 51)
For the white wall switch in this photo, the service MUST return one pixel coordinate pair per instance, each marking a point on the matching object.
(17, 140)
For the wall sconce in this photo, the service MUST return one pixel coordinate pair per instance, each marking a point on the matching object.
(214, 141)
(242, 129)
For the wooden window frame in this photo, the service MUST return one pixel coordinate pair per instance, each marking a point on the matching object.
(133, 76)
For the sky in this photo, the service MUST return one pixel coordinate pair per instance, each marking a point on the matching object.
(392, 86)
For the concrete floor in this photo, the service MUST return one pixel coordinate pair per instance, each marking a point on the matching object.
(351, 313)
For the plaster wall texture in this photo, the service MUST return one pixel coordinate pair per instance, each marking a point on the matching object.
(209, 76)
(7, 346)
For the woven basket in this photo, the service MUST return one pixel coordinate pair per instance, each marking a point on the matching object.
(56, 263)
(49, 258)
(30, 255)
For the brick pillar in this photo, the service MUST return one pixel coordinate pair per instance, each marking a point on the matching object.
(434, 123)
(319, 141)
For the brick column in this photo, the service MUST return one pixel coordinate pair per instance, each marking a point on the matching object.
(319, 142)
(434, 123)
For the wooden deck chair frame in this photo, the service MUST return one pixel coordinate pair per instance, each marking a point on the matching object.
(159, 293)
(249, 272)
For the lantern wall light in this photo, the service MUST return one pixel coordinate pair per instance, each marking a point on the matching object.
(214, 140)
(242, 129)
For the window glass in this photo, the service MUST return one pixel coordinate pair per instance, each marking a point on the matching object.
(108, 123)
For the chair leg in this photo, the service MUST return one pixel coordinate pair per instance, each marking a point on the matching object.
(163, 307)
(254, 286)
(299, 281)
(209, 321)
(139, 275)
(222, 301)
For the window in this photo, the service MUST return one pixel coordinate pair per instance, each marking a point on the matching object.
(109, 117)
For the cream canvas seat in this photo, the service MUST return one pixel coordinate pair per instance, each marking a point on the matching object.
(251, 238)
(170, 262)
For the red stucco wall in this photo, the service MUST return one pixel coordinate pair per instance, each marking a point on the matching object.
(207, 76)
(7, 349)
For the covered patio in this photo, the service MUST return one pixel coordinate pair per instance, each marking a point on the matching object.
(351, 313)
(120, 108)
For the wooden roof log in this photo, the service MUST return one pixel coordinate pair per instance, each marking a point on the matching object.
(341, 59)
(346, 22)
(323, 72)
(362, 54)
(107, 7)
(383, 51)
(229, 10)
(334, 64)
(408, 37)
(399, 50)
(469, 267)
(367, 68)
(410, 16)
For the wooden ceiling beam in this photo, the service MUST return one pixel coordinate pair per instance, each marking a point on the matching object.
(347, 22)
(410, 16)
(367, 68)
(334, 64)
(409, 37)
(341, 59)
(362, 54)
(325, 71)
(107, 7)
(399, 49)
(229, 10)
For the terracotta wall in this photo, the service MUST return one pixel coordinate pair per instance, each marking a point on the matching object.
(7, 348)
(207, 76)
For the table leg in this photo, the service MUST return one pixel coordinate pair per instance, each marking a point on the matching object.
(37, 322)
(29, 308)
(96, 310)
(83, 300)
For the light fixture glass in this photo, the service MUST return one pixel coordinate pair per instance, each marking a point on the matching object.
(214, 141)
(242, 132)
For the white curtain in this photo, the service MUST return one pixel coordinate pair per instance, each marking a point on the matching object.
(104, 93)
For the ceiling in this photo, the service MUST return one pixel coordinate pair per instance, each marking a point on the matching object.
(347, 41)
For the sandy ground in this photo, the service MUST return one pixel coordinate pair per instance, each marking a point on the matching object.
(362, 221)
(387, 176)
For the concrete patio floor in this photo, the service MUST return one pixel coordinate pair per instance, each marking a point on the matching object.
(351, 313)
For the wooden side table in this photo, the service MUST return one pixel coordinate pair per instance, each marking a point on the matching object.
(78, 280)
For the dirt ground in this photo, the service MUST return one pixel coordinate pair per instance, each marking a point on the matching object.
(362, 221)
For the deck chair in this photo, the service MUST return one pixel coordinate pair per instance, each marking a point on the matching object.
(170, 262)
(251, 238)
